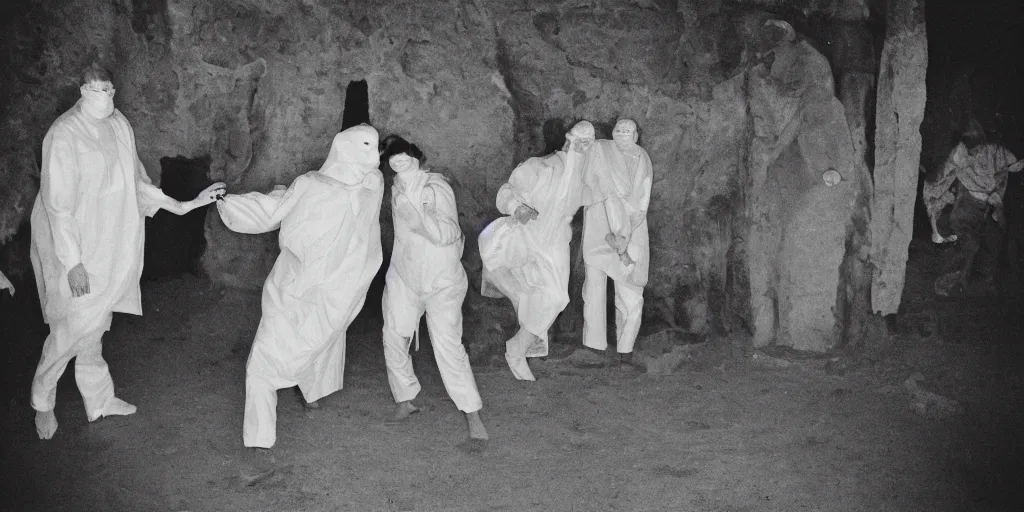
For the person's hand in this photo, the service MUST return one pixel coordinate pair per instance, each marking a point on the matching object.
(939, 239)
(616, 242)
(5, 284)
(626, 259)
(407, 213)
(999, 218)
(207, 196)
(524, 214)
(995, 200)
(78, 280)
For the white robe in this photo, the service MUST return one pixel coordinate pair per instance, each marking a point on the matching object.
(617, 191)
(529, 263)
(93, 196)
(617, 195)
(330, 251)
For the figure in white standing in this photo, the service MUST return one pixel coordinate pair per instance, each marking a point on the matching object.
(87, 244)
(617, 178)
(526, 254)
(426, 276)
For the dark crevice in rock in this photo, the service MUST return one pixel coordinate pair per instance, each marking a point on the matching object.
(357, 104)
(175, 244)
(525, 106)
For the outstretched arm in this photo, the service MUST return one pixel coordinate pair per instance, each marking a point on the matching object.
(255, 212)
(152, 199)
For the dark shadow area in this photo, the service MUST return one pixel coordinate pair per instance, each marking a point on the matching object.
(974, 70)
(175, 243)
(22, 330)
(357, 104)
(357, 111)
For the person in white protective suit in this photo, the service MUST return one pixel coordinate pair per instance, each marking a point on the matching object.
(617, 191)
(330, 251)
(87, 244)
(426, 276)
(526, 254)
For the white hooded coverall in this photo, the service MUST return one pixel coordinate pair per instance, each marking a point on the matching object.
(424, 277)
(330, 251)
(529, 263)
(618, 195)
(93, 195)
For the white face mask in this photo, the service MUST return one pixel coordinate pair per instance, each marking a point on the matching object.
(403, 163)
(98, 99)
(624, 134)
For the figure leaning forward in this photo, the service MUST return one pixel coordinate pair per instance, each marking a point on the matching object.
(329, 223)
(526, 254)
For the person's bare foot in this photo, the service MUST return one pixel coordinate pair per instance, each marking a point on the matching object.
(520, 368)
(476, 427)
(46, 424)
(477, 441)
(117, 407)
(259, 465)
(402, 412)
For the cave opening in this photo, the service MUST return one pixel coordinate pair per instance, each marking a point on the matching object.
(357, 104)
(174, 244)
(356, 112)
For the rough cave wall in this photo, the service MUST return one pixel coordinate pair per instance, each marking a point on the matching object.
(798, 222)
(899, 112)
(259, 86)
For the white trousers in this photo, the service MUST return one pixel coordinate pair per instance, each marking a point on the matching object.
(629, 305)
(259, 426)
(403, 307)
(66, 341)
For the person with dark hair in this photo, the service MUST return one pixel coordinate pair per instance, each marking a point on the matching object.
(87, 244)
(396, 145)
(426, 276)
(978, 170)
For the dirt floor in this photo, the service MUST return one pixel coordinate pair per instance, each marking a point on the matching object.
(774, 432)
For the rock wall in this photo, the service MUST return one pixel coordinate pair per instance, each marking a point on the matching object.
(900, 110)
(740, 119)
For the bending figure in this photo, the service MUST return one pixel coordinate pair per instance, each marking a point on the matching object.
(526, 254)
(330, 251)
